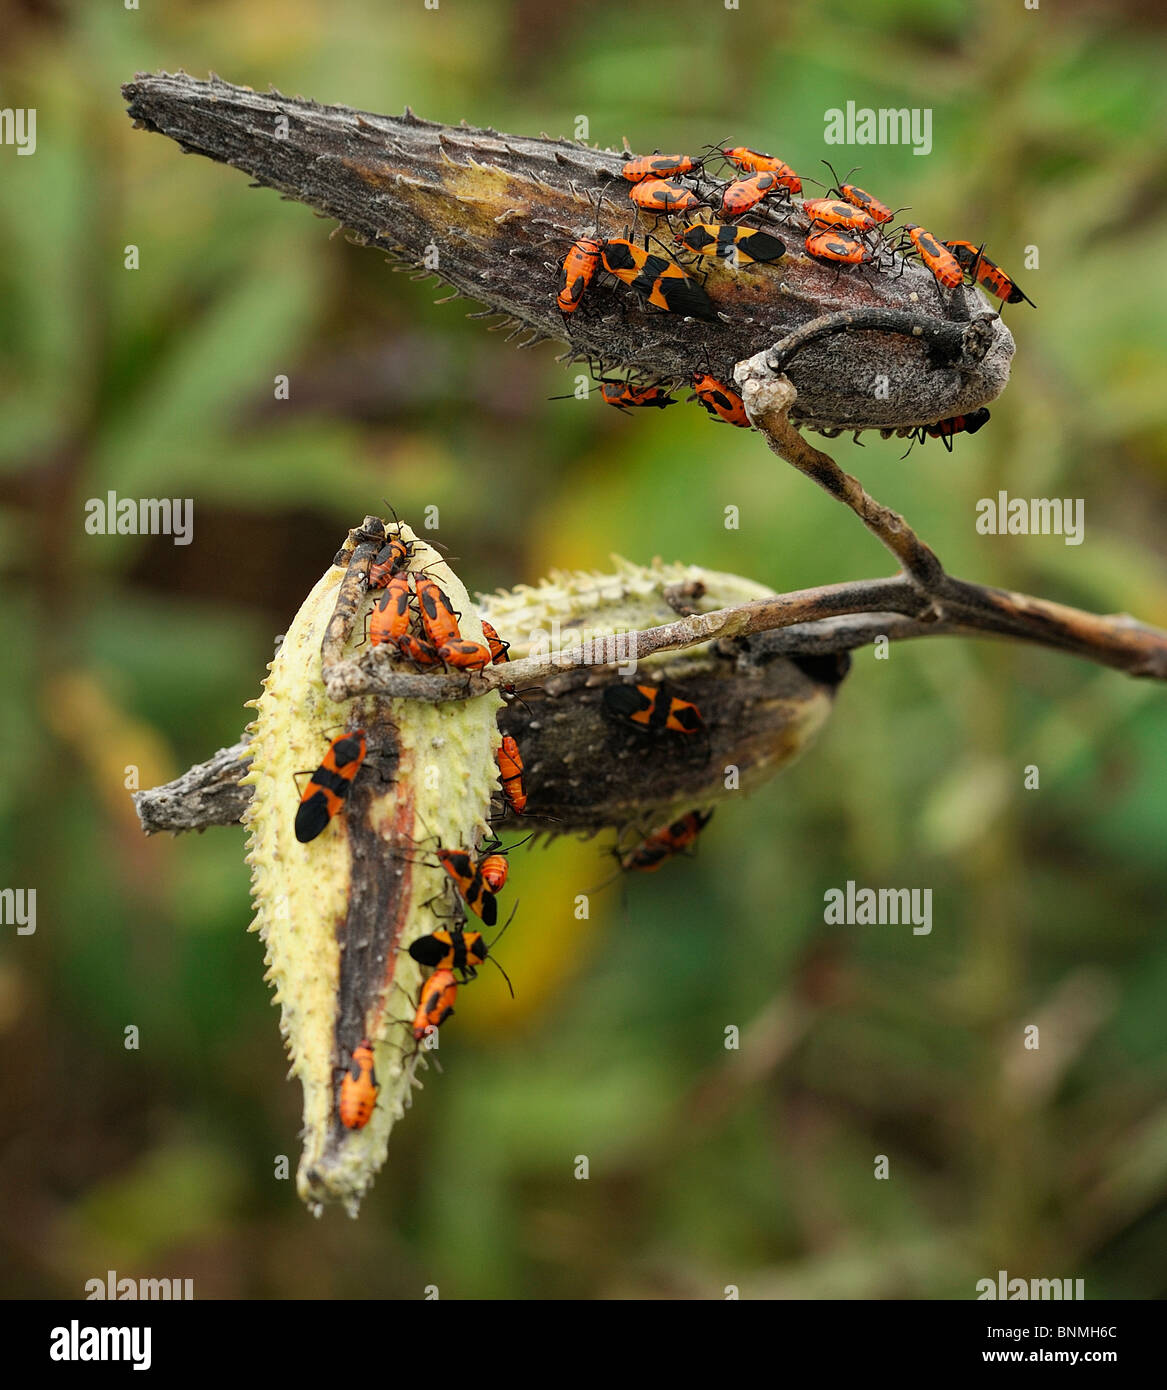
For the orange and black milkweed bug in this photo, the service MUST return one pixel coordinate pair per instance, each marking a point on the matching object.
(754, 162)
(358, 1088)
(737, 245)
(418, 650)
(479, 880)
(660, 195)
(495, 869)
(465, 655)
(494, 865)
(827, 212)
(939, 260)
(510, 774)
(860, 198)
(499, 650)
(393, 556)
(390, 560)
(658, 166)
(436, 612)
(652, 709)
(945, 429)
(578, 271)
(978, 267)
(389, 618)
(662, 283)
(456, 950)
(460, 951)
(624, 395)
(466, 871)
(664, 843)
(330, 784)
(831, 246)
(721, 401)
(435, 1004)
(743, 194)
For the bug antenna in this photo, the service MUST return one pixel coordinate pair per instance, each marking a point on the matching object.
(416, 863)
(713, 150)
(599, 888)
(429, 833)
(510, 692)
(652, 236)
(506, 924)
(616, 178)
(599, 207)
(445, 560)
(503, 973)
(839, 181)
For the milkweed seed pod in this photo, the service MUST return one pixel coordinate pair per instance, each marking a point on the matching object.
(582, 772)
(763, 706)
(336, 914)
(493, 216)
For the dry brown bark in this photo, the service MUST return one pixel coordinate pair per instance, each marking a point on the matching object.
(492, 216)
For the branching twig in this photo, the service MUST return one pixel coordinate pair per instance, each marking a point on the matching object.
(922, 600)
(768, 400)
(377, 672)
(934, 600)
(208, 794)
(948, 343)
(1116, 640)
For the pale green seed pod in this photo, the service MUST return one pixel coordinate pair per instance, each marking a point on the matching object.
(568, 606)
(337, 914)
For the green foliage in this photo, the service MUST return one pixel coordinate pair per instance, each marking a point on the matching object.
(707, 1167)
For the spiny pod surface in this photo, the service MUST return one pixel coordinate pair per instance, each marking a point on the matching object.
(337, 914)
(494, 216)
(585, 771)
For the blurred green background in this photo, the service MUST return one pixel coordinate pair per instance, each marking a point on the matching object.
(707, 1167)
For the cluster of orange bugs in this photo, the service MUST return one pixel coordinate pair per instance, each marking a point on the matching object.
(440, 641)
(449, 953)
(329, 785)
(359, 1088)
(847, 224)
(478, 877)
(453, 954)
(848, 227)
